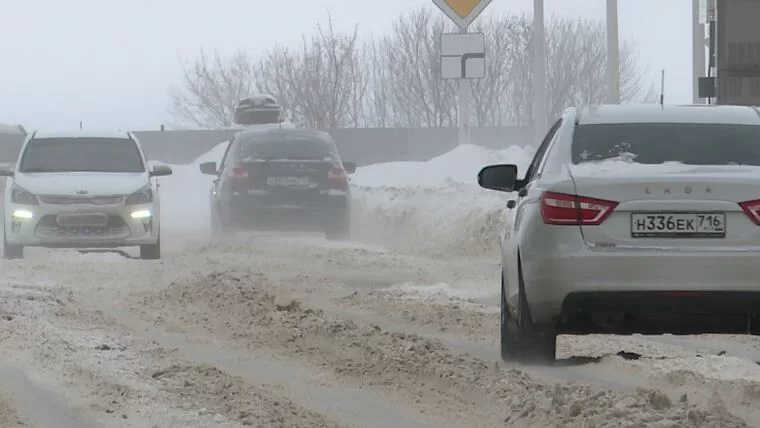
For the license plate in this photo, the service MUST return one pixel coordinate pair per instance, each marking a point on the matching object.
(288, 181)
(82, 220)
(678, 225)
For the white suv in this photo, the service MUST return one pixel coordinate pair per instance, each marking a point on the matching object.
(82, 190)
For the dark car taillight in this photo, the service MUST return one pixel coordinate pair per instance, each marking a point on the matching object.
(238, 174)
(337, 177)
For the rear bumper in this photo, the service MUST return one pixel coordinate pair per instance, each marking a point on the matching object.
(562, 283)
(314, 209)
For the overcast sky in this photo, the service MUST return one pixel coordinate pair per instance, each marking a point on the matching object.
(110, 63)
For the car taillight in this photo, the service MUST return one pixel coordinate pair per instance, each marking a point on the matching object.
(752, 209)
(564, 209)
(337, 177)
(238, 174)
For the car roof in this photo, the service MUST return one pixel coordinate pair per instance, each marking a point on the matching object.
(82, 133)
(656, 113)
(284, 134)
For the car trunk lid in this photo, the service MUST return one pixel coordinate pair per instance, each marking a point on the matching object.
(671, 206)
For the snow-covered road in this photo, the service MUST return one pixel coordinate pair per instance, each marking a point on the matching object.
(397, 329)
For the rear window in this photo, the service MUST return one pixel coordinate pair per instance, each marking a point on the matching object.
(655, 143)
(297, 149)
(81, 154)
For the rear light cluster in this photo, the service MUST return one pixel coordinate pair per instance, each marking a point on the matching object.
(752, 209)
(337, 177)
(238, 174)
(565, 209)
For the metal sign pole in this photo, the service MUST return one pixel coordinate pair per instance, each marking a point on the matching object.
(464, 107)
(463, 56)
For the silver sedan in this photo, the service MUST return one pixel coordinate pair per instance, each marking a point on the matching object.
(632, 219)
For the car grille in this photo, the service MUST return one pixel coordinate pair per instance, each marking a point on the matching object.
(92, 200)
(114, 227)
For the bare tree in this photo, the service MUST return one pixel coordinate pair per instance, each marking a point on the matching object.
(504, 65)
(323, 83)
(377, 102)
(419, 97)
(211, 87)
(576, 70)
(274, 73)
(576, 65)
(332, 81)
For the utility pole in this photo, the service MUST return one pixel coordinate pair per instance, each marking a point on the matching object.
(539, 72)
(613, 54)
(698, 46)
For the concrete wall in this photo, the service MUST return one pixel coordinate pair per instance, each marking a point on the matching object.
(361, 145)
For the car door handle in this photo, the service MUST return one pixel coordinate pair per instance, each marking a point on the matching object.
(511, 203)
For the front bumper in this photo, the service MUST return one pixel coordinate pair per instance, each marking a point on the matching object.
(105, 226)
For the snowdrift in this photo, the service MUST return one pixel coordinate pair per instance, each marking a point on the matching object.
(433, 207)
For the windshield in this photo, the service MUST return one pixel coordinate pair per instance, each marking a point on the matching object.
(655, 143)
(118, 155)
(302, 149)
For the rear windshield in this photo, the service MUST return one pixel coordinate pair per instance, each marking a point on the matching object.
(297, 149)
(654, 143)
(81, 154)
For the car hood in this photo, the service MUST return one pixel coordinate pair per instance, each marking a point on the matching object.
(94, 183)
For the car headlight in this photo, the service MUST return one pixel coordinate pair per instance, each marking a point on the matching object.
(142, 196)
(21, 196)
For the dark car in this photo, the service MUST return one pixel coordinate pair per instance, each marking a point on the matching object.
(281, 178)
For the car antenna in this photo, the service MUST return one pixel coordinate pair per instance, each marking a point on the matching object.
(662, 89)
(81, 124)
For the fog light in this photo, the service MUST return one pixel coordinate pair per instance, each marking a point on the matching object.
(22, 214)
(140, 214)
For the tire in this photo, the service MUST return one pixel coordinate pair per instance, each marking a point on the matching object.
(151, 252)
(12, 251)
(338, 228)
(509, 345)
(520, 340)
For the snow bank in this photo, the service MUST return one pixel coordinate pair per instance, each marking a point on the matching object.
(460, 165)
(433, 207)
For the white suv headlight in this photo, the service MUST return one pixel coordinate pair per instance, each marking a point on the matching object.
(142, 196)
(22, 196)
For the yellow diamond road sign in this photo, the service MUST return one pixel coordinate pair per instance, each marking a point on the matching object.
(462, 12)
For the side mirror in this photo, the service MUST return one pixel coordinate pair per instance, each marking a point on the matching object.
(209, 168)
(350, 167)
(160, 171)
(498, 177)
(6, 170)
